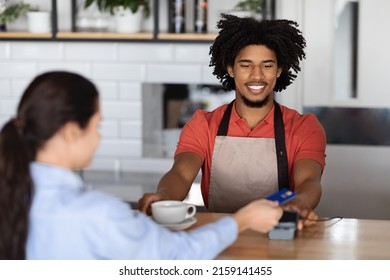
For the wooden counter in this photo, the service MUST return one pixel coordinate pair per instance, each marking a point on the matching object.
(332, 240)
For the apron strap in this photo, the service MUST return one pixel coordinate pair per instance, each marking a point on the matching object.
(280, 142)
(224, 125)
(281, 152)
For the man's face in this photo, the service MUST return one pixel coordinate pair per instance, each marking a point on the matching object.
(255, 72)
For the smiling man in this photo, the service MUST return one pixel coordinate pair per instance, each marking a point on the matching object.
(253, 146)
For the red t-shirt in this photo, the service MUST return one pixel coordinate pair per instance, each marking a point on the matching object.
(305, 137)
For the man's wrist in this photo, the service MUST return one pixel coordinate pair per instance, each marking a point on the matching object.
(163, 194)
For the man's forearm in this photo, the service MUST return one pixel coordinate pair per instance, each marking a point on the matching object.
(309, 194)
(173, 187)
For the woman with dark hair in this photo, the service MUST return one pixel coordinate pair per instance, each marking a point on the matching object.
(45, 212)
(252, 147)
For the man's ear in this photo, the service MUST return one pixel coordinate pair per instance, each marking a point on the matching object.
(279, 72)
(230, 71)
(70, 132)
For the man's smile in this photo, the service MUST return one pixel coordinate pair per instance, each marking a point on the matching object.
(256, 88)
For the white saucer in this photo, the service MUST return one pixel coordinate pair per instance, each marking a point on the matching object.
(183, 225)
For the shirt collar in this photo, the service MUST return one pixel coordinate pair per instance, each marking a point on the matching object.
(52, 176)
(269, 119)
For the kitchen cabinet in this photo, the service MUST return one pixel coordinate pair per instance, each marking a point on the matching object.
(154, 36)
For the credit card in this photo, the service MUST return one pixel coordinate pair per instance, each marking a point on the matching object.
(282, 196)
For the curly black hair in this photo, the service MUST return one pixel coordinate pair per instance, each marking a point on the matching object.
(281, 36)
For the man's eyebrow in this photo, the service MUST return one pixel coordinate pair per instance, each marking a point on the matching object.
(245, 60)
(269, 60)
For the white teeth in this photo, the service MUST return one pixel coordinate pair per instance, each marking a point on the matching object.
(255, 87)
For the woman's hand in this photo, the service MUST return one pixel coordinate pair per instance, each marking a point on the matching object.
(260, 215)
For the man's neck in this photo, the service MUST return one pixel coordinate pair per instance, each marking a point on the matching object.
(253, 116)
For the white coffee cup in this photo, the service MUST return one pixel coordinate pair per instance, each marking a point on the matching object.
(172, 211)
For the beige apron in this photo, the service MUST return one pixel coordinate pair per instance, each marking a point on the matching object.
(244, 169)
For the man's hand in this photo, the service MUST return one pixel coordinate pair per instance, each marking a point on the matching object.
(147, 199)
(307, 216)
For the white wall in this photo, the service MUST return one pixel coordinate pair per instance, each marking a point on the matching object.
(119, 70)
(374, 55)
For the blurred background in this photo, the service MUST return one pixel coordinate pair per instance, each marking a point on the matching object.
(151, 87)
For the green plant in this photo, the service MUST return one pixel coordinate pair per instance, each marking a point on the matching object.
(12, 12)
(254, 6)
(110, 5)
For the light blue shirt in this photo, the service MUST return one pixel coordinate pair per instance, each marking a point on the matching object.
(68, 222)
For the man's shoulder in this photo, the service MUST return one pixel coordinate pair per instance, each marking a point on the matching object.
(201, 116)
(294, 115)
(300, 123)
